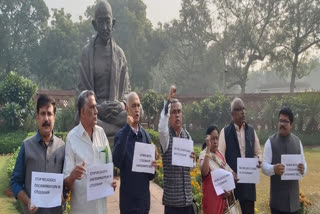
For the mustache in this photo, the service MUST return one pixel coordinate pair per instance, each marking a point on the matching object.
(282, 127)
(46, 123)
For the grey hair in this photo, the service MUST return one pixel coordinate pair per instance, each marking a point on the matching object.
(234, 101)
(175, 101)
(132, 93)
(82, 99)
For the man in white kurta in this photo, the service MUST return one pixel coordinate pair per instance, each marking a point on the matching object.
(86, 145)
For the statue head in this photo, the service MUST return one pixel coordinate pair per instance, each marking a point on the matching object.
(103, 21)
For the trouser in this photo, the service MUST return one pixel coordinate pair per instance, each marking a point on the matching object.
(273, 211)
(178, 210)
(247, 207)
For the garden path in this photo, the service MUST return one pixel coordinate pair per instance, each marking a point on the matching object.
(155, 194)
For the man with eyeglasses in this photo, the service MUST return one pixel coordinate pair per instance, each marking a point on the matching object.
(177, 194)
(284, 194)
(239, 139)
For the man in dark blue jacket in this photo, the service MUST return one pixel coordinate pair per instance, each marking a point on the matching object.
(134, 187)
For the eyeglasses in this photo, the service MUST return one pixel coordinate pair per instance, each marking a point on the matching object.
(284, 121)
(177, 111)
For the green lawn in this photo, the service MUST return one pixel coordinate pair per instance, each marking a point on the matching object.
(6, 204)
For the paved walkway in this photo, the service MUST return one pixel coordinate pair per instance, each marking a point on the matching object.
(156, 200)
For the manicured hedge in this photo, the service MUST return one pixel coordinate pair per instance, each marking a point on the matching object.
(11, 141)
(12, 162)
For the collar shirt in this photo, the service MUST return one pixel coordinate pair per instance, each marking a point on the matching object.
(36, 156)
(240, 130)
(80, 148)
(241, 138)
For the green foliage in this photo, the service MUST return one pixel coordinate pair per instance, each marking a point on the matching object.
(152, 103)
(305, 108)
(58, 55)
(133, 32)
(198, 136)
(212, 110)
(16, 89)
(307, 139)
(197, 151)
(65, 118)
(16, 94)
(61, 135)
(12, 140)
(299, 34)
(270, 114)
(186, 62)
(13, 115)
(22, 25)
(154, 135)
(12, 162)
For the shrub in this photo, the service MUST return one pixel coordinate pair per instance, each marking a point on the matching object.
(61, 135)
(12, 162)
(152, 103)
(305, 108)
(154, 135)
(306, 138)
(15, 98)
(9, 142)
(212, 110)
(65, 118)
(198, 136)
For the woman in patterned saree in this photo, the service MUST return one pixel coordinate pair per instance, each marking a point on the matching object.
(211, 159)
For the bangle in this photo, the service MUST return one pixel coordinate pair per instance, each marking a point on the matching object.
(208, 155)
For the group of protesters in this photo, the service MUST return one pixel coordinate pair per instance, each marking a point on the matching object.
(44, 152)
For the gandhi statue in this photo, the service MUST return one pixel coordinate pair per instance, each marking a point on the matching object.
(103, 69)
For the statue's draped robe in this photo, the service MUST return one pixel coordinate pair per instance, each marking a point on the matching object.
(119, 77)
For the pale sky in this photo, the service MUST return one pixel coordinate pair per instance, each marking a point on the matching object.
(157, 10)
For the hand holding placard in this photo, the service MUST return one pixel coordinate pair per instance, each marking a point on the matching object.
(46, 189)
(248, 171)
(144, 155)
(291, 170)
(182, 150)
(222, 181)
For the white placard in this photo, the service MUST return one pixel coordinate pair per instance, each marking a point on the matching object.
(99, 183)
(46, 189)
(181, 151)
(291, 163)
(144, 154)
(247, 170)
(222, 180)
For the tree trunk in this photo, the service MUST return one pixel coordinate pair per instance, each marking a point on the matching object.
(294, 73)
(243, 82)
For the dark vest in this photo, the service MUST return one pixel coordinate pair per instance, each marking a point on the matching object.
(284, 195)
(242, 191)
(176, 179)
(40, 158)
